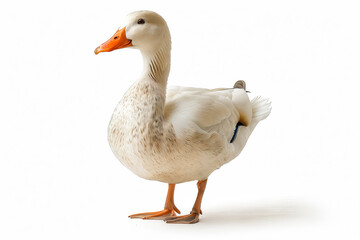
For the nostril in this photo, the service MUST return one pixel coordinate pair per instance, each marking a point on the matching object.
(116, 37)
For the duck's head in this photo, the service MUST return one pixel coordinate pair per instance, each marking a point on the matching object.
(144, 30)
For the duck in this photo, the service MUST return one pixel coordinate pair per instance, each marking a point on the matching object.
(175, 134)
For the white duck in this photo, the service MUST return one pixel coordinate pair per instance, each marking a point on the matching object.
(178, 134)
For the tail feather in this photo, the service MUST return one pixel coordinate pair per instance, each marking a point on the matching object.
(261, 108)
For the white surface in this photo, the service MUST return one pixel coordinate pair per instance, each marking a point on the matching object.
(296, 179)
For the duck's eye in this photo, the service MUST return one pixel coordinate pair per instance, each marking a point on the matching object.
(141, 21)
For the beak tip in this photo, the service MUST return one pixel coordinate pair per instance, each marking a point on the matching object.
(97, 50)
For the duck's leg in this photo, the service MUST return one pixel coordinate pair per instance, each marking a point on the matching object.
(193, 217)
(169, 209)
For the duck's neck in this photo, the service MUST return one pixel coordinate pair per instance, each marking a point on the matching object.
(149, 93)
(157, 63)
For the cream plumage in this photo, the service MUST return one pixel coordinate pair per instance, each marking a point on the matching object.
(177, 134)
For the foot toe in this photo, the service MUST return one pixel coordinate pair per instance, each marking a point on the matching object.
(185, 219)
(161, 215)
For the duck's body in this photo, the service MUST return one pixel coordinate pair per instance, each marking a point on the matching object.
(179, 137)
(178, 134)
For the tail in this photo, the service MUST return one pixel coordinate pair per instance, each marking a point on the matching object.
(261, 108)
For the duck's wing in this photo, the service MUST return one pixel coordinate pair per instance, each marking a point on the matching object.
(207, 111)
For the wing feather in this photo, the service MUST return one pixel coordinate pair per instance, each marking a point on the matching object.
(207, 110)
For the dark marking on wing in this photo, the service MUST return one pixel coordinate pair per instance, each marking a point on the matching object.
(235, 131)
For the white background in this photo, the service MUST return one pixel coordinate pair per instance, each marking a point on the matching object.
(298, 177)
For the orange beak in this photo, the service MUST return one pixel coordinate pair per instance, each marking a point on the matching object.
(117, 41)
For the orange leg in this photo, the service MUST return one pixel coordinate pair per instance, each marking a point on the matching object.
(193, 217)
(169, 209)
